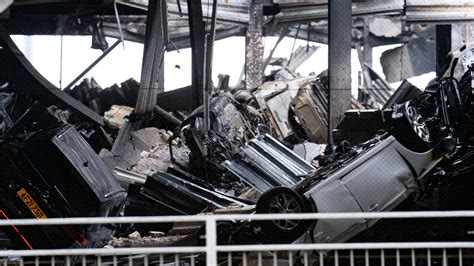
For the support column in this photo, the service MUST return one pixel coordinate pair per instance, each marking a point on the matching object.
(367, 47)
(340, 25)
(159, 70)
(197, 31)
(254, 46)
(156, 39)
(443, 47)
(365, 58)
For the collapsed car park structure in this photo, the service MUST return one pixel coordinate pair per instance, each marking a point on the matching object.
(104, 171)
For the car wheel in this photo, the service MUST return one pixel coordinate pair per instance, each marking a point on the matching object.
(281, 200)
(411, 130)
(224, 232)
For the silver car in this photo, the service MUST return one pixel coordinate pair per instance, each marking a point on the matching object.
(379, 176)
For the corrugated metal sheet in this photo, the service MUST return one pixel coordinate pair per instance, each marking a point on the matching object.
(185, 193)
(265, 163)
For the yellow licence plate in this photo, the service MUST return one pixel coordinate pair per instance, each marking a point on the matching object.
(31, 204)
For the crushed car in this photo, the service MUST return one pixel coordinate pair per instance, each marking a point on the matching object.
(429, 135)
(49, 170)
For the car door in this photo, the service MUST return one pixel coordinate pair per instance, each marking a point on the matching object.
(333, 196)
(382, 180)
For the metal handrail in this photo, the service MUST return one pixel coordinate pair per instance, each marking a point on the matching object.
(211, 249)
(227, 217)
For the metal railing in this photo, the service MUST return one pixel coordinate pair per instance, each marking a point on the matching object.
(406, 253)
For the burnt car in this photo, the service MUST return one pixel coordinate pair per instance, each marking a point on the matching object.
(428, 136)
(48, 170)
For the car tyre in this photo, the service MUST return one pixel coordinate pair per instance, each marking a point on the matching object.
(410, 128)
(281, 200)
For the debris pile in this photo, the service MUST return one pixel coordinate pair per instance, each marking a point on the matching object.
(263, 150)
(136, 240)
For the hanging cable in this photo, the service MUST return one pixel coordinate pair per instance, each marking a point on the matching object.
(294, 43)
(180, 11)
(61, 64)
(307, 40)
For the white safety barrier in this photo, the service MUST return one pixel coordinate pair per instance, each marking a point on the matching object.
(406, 253)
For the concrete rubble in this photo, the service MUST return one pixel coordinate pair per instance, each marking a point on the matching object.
(136, 240)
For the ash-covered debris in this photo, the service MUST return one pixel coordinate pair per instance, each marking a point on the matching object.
(136, 240)
(147, 151)
(158, 158)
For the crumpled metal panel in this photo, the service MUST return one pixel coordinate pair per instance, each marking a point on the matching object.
(88, 164)
(275, 98)
(378, 94)
(184, 193)
(225, 119)
(278, 113)
(410, 60)
(265, 163)
(310, 106)
(301, 55)
(464, 56)
(405, 92)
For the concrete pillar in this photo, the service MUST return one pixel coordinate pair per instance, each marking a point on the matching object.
(254, 46)
(340, 25)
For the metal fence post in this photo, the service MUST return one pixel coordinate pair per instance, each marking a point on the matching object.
(211, 240)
